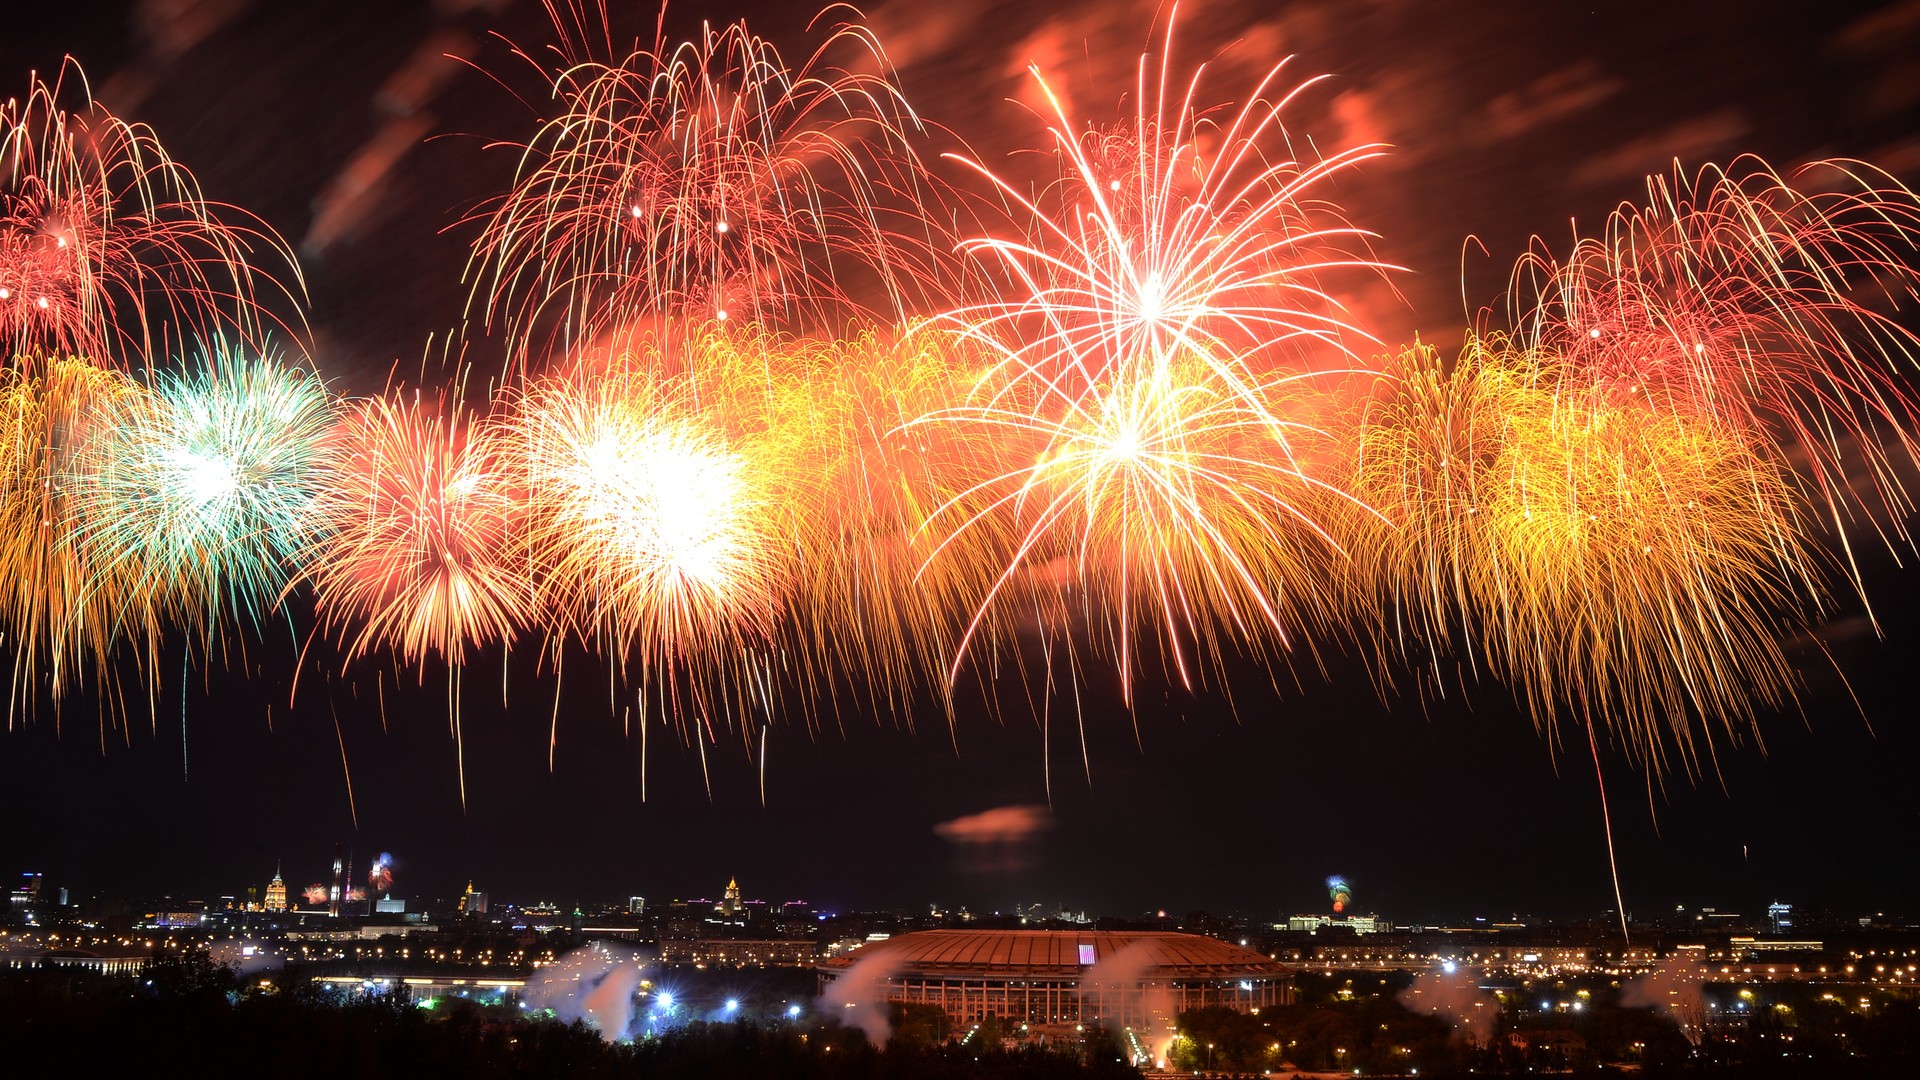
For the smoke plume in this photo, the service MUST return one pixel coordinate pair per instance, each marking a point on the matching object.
(1117, 990)
(1453, 992)
(594, 984)
(858, 998)
(1675, 987)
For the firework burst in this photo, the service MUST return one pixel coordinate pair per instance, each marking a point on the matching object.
(1168, 503)
(109, 250)
(421, 520)
(1760, 303)
(649, 527)
(1150, 395)
(1182, 230)
(704, 180)
(1638, 567)
(60, 612)
(204, 490)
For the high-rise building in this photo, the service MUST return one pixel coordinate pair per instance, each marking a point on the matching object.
(276, 892)
(473, 903)
(730, 905)
(636, 905)
(339, 889)
(1779, 917)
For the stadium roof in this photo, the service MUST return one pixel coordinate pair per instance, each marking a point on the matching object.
(1060, 954)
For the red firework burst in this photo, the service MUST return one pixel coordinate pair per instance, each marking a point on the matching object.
(1760, 301)
(419, 529)
(107, 247)
(704, 180)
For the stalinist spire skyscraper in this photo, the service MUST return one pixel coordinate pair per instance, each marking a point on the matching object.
(276, 891)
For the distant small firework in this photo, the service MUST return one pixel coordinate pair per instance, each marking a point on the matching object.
(380, 876)
(316, 894)
(109, 250)
(1339, 892)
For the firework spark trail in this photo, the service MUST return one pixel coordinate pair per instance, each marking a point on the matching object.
(109, 250)
(705, 180)
(1761, 302)
(420, 514)
(1637, 567)
(1148, 401)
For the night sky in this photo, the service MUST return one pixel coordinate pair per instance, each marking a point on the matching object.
(345, 126)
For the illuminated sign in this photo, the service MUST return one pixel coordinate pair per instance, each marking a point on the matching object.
(1086, 955)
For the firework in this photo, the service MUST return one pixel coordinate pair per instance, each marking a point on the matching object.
(1339, 892)
(1182, 230)
(204, 490)
(60, 612)
(703, 180)
(1151, 401)
(865, 478)
(109, 250)
(1760, 303)
(315, 894)
(1639, 567)
(649, 528)
(380, 876)
(1164, 499)
(420, 524)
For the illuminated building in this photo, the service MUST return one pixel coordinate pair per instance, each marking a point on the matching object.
(334, 897)
(473, 903)
(1065, 977)
(739, 952)
(1779, 917)
(730, 904)
(636, 905)
(276, 892)
(1359, 924)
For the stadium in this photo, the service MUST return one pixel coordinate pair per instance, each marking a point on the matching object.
(1047, 978)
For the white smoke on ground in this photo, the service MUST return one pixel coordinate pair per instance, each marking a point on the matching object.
(1675, 987)
(1119, 991)
(1453, 993)
(595, 984)
(858, 998)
